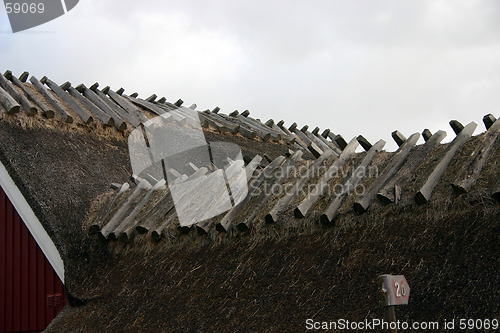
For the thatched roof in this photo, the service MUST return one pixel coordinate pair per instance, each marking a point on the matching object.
(237, 271)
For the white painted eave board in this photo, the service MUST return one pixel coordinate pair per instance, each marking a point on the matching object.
(31, 221)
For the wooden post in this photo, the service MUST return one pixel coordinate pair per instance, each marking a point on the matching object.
(182, 115)
(224, 123)
(426, 134)
(155, 213)
(311, 146)
(329, 214)
(388, 193)
(221, 125)
(27, 106)
(267, 158)
(116, 108)
(273, 215)
(119, 124)
(151, 98)
(425, 192)
(227, 220)
(183, 201)
(264, 136)
(364, 143)
(66, 117)
(189, 184)
(123, 210)
(214, 123)
(399, 138)
(103, 214)
(216, 198)
(467, 178)
(161, 205)
(83, 114)
(203, 228)
(203, 120)
(390, 316)
(339, 140)
(126, 105)
(252, 166)
(98, 113)
(44, 109)
(157, 234)
(146, 105)
(9, 103)
(259, 127)
(303, 208)
(291, 135)
(126, 229)
(456, 126)
(20, 98)
(282, 133)
(330, 144)
(315, 150)
(264, 197)
(177, 116)
(283, 128)
(362, 204)
(23, 77)
(322, 145)
(489, 120)
(193, 168)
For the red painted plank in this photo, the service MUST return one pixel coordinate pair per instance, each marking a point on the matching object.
(40, 288)
(9, 268)
(16, 285)
(3, 263)
(60, 291)
(49, 285)
(25, 320)
(32, 284)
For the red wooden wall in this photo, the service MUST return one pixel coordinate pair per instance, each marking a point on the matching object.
(31, 293)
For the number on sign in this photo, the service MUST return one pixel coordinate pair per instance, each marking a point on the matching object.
(400, 289)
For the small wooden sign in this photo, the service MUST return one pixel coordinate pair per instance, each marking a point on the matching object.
(396, 289)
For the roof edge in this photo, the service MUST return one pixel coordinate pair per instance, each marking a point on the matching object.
(31, 221)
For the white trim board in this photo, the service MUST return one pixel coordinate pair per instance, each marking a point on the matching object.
(31, 221)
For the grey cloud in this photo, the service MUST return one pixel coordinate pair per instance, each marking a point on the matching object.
(358, 67)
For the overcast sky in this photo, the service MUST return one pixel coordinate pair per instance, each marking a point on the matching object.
(356, 67)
